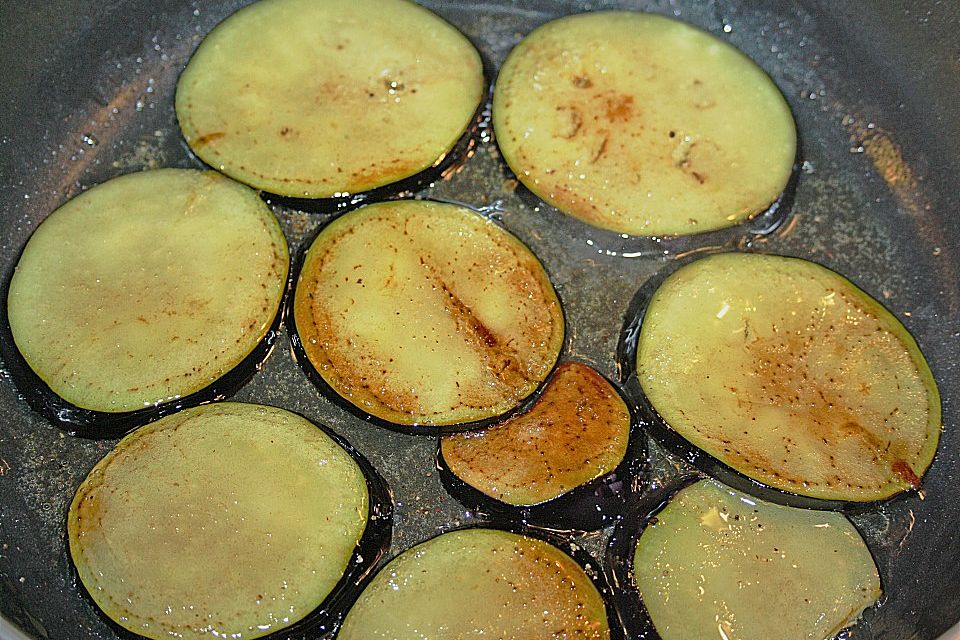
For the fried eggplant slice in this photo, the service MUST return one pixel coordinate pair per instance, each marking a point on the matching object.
(717, 563)
(790, 374)
(226, 520)
(577, 432)
(479, 583)
(423, 313)
(147, 288)
(322, 99)
(643, 125)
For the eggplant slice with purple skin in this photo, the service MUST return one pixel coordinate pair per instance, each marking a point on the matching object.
(568, 463)
(501, 583)
(424, 316)
(228, 519)
(331, 101)
(786, 374)
(697, 559)
(146, 294)
(643, 125)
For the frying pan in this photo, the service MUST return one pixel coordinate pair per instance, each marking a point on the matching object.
(87, 93)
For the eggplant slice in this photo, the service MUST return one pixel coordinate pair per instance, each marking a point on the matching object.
(567, 463)
(140, 295)
(425, 314)
(482, 583)
(228, 520)
(324, 99)
(643, 125)
(788, 373)
(707, 561)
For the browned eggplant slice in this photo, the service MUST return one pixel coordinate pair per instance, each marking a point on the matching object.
(228, 520)
(425, 314)
(315, 100)
(643, 125)
(699, 560)
(483, 583)
(786, 372)
(567, 463)
(147, 293)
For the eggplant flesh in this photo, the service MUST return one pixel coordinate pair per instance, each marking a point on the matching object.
(228, 519)
(643, 125)
(715, 561)
(791, 375)
(325, 99)
(479, 583)
(145, 290)
(426, 313)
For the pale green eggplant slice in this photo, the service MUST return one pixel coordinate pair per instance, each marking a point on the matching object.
(227, 520)
(787, 372)
(147, 289)
(643, 125)
(480, 583)
(716, 563)
(322, 99)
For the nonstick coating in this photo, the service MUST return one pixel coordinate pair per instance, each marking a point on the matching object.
(87, 93)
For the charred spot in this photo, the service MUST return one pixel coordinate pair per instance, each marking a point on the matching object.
(619, 108)
(601, 150)
(903, 470)
(582, 82)
(208, 138)
(571, 121)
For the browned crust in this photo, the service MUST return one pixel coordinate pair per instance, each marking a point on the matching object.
(578, 423)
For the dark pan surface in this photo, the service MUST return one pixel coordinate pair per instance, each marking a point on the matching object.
(87, 93)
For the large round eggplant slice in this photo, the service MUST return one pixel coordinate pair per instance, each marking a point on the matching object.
(426, 313)
(642, 124)
(564, 463)
(144, 290)
(787, 372)
(320, 99)
(711, 562)
(480, 583)
(227, 520)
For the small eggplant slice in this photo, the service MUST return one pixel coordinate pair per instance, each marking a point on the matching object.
(717, 563)
(227, 520)
(641, 124)
(321, 99)
(424, 313)
(146, 289)
(576, 433)
(790, 374)
(479, 583)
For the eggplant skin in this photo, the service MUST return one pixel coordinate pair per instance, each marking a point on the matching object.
(641, 124)
(426, 313)
(319, 99)
(713, 558)
(788, 373)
